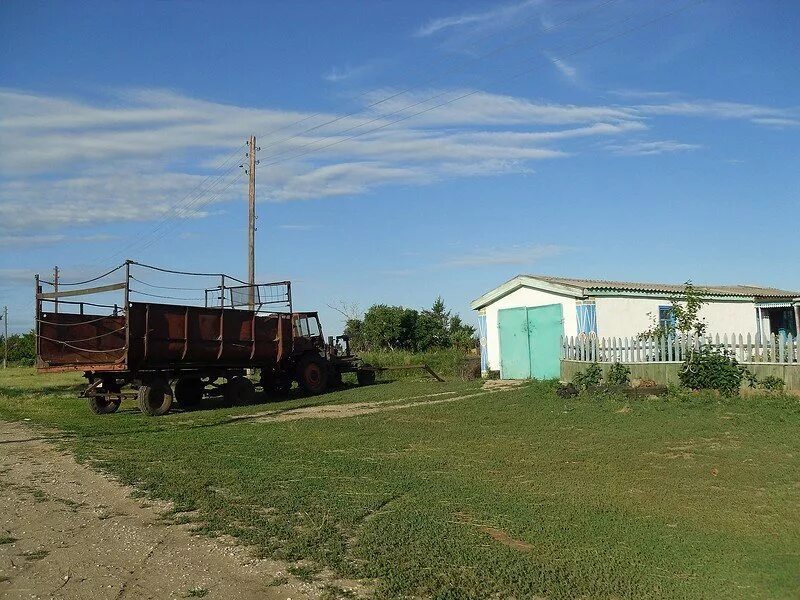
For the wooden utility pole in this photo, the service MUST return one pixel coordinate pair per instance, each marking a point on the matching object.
(55, 289)
(5, 337)
(251, 225)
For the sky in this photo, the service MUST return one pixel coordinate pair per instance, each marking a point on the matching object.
(407, 149)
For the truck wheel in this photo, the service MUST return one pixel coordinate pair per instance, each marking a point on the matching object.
(155, 397)
(365, 377)
(313, 374)
(103, 406)
(189, 392)
(276, 387)
(239, 391)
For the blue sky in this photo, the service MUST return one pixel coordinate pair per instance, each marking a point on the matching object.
(654, 141)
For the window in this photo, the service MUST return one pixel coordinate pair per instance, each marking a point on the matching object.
(587, 318)
(666, 317)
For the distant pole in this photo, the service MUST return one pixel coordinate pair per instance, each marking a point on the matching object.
(251, 225)
(5, 337)
(55, 288)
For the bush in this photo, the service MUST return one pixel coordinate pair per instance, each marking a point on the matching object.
(712, 368)
(772, 383)
(618, 374)
(590, 378)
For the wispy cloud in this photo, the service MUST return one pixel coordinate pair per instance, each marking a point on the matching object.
(142, 153)
(495, 17)
(41, 240)
(650, 148)
(566, 69)
(512, 255)
(345, 73)
(298, 227)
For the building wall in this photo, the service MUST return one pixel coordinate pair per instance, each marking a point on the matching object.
(524, 297)
(619, 316)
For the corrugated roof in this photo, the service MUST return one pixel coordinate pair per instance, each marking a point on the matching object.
(596, 285)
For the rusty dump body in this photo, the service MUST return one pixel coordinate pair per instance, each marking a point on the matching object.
(162, 337)
(184, 352)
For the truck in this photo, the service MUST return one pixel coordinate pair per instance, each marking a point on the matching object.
(166, 354)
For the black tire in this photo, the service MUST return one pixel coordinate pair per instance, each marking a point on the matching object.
(365, 377)
(189, 392)
(312, 375)
(276, 387)
(100, 405)
(155, 397)
(239, 391)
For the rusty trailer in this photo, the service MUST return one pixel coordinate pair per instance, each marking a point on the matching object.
(178, 352)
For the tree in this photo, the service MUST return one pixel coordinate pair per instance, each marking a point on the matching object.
(433, 327)
(686, 315)
(389, 327)
(21, 347)
(462, 336)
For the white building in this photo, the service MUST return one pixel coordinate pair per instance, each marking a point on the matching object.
(522, 321)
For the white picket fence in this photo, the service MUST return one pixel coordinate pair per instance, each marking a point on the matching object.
(776, 349)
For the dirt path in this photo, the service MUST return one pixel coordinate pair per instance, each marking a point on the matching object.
(354, 409)
(67, 531)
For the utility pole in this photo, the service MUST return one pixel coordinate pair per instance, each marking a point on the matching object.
(5, 337)
(251, 225)
(55, 289)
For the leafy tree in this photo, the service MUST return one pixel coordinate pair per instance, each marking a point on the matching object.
(462, 336)
(21, 347)
(686, 312)
(389, 327)
(433, 327)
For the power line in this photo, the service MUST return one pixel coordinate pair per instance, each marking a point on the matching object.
(466, 62)
(477, 91)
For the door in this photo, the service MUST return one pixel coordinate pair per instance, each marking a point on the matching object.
(545, 327)
(515, 356)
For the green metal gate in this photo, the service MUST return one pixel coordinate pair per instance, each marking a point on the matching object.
(530, 340)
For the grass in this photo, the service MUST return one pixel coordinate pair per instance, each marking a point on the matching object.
(447, 362)
(198, 592)
(518, 493)
(7, 539)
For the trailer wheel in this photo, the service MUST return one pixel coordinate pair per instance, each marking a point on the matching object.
(365, 377)
(155, 397)
(276, 387)
(313, 374)
(103, 406)
(189, 392)
(239, 391)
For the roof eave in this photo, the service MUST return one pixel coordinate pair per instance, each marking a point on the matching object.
(520, 281)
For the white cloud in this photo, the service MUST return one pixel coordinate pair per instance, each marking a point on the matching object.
(338, 74)
(40, 240)
(512, 255)
(720, 110)
(653, 147)
(68, 162)
(498, 16)
(566, 69)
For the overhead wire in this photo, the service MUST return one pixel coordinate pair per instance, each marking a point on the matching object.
(477, 91)
(176, 211)
(450, 101)
(467, 62)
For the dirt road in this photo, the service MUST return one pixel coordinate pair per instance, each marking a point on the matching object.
(67, 531)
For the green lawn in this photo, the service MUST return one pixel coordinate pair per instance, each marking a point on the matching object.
(514, 494)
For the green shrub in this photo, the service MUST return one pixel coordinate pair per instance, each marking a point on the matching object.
(772, 383)
(618, 374)
(590, 378)
(712, 368)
